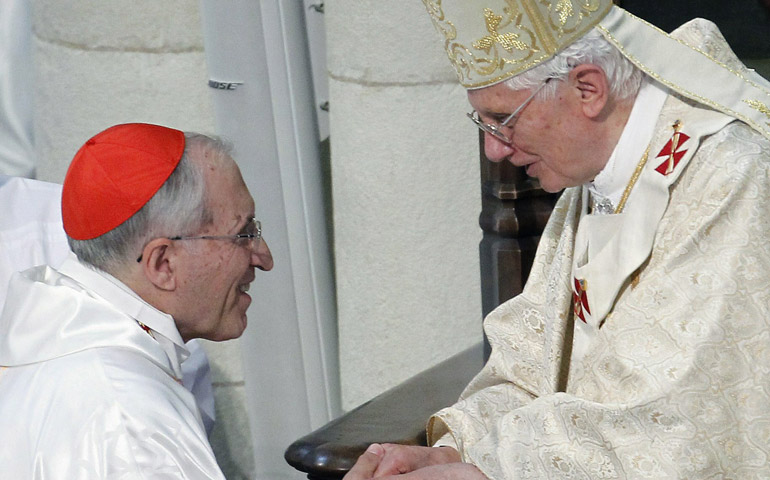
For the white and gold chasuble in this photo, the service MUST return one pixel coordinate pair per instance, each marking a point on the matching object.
(90, 383)
(670, 374)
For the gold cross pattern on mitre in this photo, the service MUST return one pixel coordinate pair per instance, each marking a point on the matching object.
(489, 41)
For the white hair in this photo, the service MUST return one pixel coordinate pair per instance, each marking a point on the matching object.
(179, 207)
(622, 75)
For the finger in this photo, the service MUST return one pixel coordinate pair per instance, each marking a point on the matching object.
(400, 459)
(397, 459)
(366, 463)
(449, 471)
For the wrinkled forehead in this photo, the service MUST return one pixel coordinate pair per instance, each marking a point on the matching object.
(227, 197)
(489, 41)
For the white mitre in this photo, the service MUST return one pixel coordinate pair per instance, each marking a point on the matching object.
(490, 41)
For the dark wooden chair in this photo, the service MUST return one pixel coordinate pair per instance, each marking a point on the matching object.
(514, 211)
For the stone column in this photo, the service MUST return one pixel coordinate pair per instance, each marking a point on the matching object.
(405, 181)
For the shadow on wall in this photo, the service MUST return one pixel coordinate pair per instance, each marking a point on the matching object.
(230, 439)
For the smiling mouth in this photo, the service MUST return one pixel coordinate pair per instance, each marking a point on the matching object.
(244, 287)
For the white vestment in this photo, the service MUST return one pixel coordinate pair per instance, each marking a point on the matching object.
(669, 302)
(31, 230)
(31, 234)
(90, 383)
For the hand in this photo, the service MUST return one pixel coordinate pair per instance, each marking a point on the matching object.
(391, 459)
(447, 471)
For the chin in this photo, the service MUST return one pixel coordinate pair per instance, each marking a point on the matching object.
(235, 330)
(239, 326)
(551, 185)
(548, 186)
(551, 189)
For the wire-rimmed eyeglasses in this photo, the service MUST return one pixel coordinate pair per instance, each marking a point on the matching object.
(496, 130)
(252, 232)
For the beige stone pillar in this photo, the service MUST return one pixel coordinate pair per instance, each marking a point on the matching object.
(406, 196)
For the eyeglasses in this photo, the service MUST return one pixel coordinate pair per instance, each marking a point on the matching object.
(252, 232)
(496, 130)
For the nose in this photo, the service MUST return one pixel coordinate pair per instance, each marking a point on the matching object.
(261, 257)
(495, 149)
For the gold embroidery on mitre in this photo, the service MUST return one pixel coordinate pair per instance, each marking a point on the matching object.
(487, 44)
(518, 44)
(759, 106)
(508, 41)
(437, 16)
(565, 11)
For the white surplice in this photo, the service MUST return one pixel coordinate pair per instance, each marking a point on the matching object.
(90, 383)
(31, 234)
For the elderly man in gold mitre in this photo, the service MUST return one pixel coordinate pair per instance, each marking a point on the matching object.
(640, 347)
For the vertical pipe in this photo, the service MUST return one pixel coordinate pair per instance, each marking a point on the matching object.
(258, 62)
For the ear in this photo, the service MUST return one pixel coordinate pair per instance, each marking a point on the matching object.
(158, 263)
(592, 87)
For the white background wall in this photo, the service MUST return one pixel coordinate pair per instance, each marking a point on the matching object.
(404, 170)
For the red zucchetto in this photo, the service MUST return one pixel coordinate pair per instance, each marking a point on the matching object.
(115, 174)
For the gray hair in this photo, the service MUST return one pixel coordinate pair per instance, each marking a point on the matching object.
(623, 76)
(179, 207)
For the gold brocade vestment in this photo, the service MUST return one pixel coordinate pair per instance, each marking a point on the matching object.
(673, 380)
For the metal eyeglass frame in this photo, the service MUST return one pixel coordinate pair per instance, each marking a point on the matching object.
(256, 236)
(495, 130)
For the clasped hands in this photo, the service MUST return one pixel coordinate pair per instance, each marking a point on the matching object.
(387, 460)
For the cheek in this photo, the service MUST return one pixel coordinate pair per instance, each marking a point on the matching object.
(554, 138)
(233, 268)
(221, 261)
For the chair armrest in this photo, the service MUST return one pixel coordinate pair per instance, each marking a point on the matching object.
(397, 416)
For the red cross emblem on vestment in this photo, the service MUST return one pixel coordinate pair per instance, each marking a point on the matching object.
(580, 300)
(671, 152)
(146, 329)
